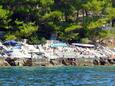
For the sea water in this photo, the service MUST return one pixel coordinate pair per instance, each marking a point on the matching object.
(57, 76)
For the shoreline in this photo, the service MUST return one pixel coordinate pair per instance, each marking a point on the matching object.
(81, 62)
(88, 66)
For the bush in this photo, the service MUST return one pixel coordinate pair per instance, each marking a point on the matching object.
(36, 40)
(85, 40)
(10, 37)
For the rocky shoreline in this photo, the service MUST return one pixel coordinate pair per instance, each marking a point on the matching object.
(56, 62)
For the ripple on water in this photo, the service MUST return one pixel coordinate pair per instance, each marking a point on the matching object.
(57, 76)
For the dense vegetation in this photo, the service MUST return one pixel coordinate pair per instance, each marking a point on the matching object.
(70, 20)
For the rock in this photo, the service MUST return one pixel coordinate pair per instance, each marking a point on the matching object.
(28, 62)
(95, 62)
(64, 62)
(10, 61)
(102, 61)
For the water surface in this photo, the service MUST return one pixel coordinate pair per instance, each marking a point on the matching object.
(57, 76)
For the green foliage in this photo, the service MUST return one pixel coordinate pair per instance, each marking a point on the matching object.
(112, 32)
(68, 36)
(71, 19)
(103, 34)
(94, 5)
(46, 2)
(72, 28)
(111, 13)
(54, 14)
(85, 40)
(36, 40)
(97, 24)
(25, 29)
(3, 13)
(10, 37)
(98, 36)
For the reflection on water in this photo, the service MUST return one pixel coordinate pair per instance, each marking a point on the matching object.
(59, 76)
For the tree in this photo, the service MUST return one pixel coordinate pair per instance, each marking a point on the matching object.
(4, 15)
(71, 20)
(25, 29)
(100, 14)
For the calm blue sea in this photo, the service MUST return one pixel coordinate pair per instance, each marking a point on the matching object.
(57, 76)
